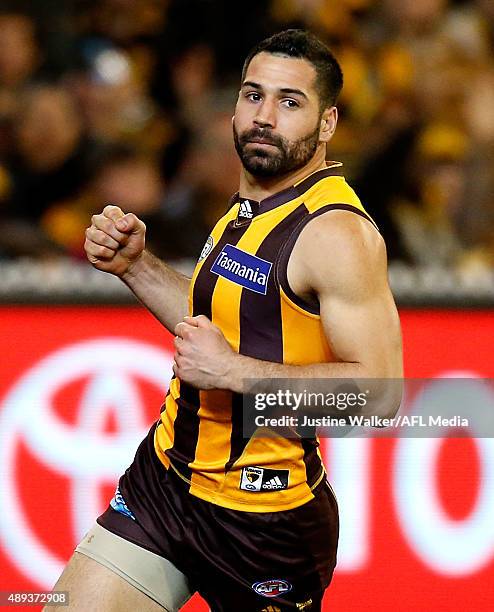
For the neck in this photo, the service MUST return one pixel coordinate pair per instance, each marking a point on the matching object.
(258, 188)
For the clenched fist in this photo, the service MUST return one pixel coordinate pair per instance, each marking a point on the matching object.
(115, 240)
(203, 357)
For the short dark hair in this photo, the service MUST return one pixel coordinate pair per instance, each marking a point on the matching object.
(304, 45)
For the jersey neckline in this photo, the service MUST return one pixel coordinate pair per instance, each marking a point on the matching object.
(250, 208)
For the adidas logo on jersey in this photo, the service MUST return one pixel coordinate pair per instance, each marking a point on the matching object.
(256, 479)
(245, 210)
(274, 483)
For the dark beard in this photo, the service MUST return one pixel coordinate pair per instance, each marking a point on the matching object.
(288, 155)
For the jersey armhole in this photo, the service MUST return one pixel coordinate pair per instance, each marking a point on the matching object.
(310, 306)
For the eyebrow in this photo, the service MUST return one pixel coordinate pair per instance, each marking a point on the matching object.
(285, 90)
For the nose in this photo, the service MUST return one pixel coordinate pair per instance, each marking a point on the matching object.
(266, 115)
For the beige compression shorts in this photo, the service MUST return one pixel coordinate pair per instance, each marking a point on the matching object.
(151, 574)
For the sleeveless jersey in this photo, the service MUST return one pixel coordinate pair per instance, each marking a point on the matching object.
(240, 283)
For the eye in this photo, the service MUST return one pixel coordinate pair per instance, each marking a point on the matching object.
(253, 96)
(290, 103)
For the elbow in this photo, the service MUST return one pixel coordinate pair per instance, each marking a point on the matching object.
(384, 397)
(389, 387)
(392, 395)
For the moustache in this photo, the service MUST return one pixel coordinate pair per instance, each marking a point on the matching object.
(261, 135)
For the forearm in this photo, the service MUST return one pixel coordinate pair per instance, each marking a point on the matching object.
(249, 368)
(382, 394)
(163, 290)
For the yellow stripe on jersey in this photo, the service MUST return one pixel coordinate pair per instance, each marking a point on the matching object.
(302, 325)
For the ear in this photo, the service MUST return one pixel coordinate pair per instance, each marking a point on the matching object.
(329, 119)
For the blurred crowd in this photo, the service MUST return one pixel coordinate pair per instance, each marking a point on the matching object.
(129, 102)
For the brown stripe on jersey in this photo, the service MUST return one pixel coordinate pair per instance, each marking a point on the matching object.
(313, 465)
(186, 424)
(278, 199)
(237, 440)
(186, 428)
(348, 207)
(255, 307)
(309, 306)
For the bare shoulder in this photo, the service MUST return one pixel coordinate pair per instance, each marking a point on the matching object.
(338, 251)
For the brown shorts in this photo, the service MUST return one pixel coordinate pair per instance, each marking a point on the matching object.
(238, 561)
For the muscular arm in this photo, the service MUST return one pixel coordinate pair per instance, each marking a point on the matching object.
(341, 258)
(115, 244)
(163, 290)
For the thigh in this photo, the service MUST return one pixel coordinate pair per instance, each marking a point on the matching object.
(117, 574)
(92, 587)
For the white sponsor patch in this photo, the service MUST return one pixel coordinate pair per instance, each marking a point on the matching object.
(251, 479)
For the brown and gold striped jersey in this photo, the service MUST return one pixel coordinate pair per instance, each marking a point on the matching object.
(240, 283)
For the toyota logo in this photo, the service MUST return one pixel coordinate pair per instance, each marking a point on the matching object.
(79, 450)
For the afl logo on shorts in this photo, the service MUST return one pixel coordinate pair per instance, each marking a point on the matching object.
(207, 248)
(272, 588)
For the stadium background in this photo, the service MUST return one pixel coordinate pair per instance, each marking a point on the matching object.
(130, 102)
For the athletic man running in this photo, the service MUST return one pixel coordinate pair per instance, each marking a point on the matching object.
(291, 283)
